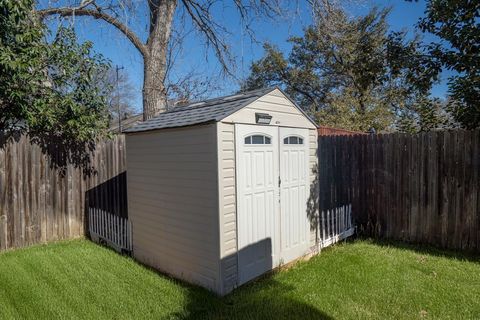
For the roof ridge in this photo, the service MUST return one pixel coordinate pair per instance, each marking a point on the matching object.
(207, 102)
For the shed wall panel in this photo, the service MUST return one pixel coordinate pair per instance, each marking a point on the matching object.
(227, 205)
(173, 202)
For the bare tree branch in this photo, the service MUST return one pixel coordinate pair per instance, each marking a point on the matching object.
(201, 17)
(192, 86)
(175, 46)
(96, 13)
(215, 34)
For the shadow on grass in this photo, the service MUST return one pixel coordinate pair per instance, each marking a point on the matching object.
(264, 299)
(428, 250)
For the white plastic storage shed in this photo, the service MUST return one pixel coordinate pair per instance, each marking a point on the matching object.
(219, 191)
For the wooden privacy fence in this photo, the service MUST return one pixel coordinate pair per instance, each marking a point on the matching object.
(40, 202)
(423, 188)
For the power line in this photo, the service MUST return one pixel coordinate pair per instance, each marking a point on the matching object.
(119, 115)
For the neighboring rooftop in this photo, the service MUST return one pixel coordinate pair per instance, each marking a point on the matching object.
(127, 122)
(200, 112)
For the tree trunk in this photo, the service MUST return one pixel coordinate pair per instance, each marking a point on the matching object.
(155, 59)
(154, 95)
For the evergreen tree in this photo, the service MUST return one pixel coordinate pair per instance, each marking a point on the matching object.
(349, 72)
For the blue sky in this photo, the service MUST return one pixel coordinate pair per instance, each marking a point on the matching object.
(120, 51)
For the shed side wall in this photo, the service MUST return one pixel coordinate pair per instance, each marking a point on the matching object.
(227, 205)
(314, 186)
(173, 202)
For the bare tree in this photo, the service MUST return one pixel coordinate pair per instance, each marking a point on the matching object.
(191, 87)
(161, 15)
(120, 92)
(188, 86)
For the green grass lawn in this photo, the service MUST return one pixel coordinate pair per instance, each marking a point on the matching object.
(80, 280)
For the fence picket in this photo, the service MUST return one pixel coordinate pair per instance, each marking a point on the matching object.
(335, 225)
(329, 223)
(112, 229)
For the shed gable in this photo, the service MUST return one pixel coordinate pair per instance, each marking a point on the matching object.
(278, 105)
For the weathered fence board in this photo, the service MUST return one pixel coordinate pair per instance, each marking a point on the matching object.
(421, 188)
(41, 203)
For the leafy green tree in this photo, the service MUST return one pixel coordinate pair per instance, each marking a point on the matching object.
(47, 89)
(349, 72)
(75, 106)
(22, 55)
(457, 24)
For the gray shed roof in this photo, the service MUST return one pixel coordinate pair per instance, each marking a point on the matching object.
(200, 112)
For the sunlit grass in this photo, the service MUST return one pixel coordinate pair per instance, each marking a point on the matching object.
(81, 280)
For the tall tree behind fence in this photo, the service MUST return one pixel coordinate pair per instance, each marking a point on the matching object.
(41, 203)
(423, 188)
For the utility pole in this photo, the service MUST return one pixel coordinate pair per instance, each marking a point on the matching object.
(117, 68)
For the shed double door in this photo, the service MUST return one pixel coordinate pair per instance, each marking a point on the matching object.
(272, 195)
